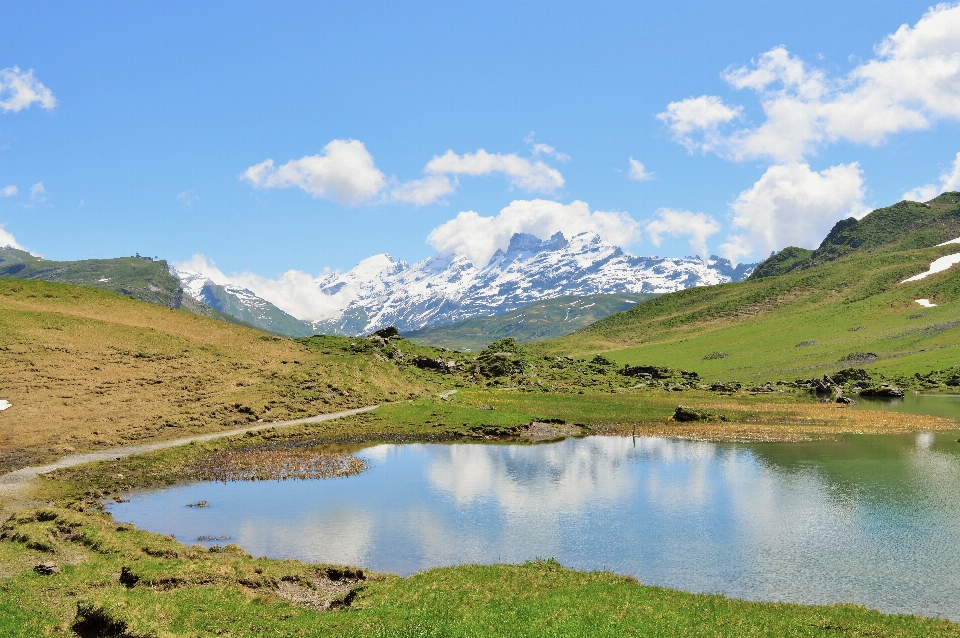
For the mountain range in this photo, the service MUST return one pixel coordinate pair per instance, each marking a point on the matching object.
(444, 289)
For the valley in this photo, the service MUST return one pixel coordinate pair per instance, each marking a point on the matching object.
(760, 362)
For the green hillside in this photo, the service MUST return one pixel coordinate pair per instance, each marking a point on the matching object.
(840, 306)
(137, 277)
(534, 322)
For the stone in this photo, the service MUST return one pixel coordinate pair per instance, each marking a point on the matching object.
(47, 569)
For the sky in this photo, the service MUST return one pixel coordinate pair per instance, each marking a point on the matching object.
(270, 137)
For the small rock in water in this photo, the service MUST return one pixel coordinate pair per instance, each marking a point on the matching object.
(846, 400)
(198, 504)
(46, 569)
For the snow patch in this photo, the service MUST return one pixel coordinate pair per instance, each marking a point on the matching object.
(4, 404)
(952, 241)
(926, 303)
(938, 265)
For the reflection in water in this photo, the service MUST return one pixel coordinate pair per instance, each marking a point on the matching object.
(872, 520)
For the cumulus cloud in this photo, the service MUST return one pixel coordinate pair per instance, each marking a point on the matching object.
(949, 181)
(9, 191)
(523, 173)
(793, 205)
(295, 292)
(38, 194)
(7, 240)
(344, 173)
(695, 121)
(638, 172)
(423, 191)
(683, 223)
(478, 238)
(18, 90)
(913, 80)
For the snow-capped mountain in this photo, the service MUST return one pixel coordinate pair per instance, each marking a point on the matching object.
(381, 292)
(448, 288)
(241, 303)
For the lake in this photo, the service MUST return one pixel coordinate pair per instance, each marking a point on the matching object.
(872, 520)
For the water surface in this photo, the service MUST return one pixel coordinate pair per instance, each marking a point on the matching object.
(867, 519)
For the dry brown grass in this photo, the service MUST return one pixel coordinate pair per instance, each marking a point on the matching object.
(87, 369)
(792, 422)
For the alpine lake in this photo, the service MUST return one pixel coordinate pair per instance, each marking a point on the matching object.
(872, 520)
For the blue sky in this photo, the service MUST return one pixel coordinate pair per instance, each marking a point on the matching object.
(159, 117)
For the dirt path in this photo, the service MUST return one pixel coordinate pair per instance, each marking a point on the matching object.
(13, 485)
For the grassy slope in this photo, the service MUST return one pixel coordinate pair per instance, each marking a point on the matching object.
(85, 368)
(136, 277)
(853, 304)
(534, 322)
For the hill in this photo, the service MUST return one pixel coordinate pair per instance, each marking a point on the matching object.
(85, 368)
(137, 277)
(533, 322)
(808, 313)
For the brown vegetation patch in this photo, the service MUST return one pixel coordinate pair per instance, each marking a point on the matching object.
(791, 422)
(266, 465)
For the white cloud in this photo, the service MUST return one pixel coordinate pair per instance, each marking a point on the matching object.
(7, 240)
(478, 237)
(423, 191)
(9, 191)
(913, 80)
(702, 115)
(793, 205)
(949, 181)
(638, 172)
(922, 193)
(683, 223)
(295, 291)
(538, 148)
(187, 199)
(523, 173)
(18, 90)
(345, 173)
(38, 193)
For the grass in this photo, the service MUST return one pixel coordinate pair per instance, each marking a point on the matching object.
(87, 369)
(538, 321)
(759, 323)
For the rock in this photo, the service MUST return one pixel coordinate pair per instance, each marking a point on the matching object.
(127, 577)
(686, 414)
(715, 355)
(882, 390)
(766, 387)
(846, 400)
(807, 344)
(198, 504)
(46, 569)
(729, 386)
